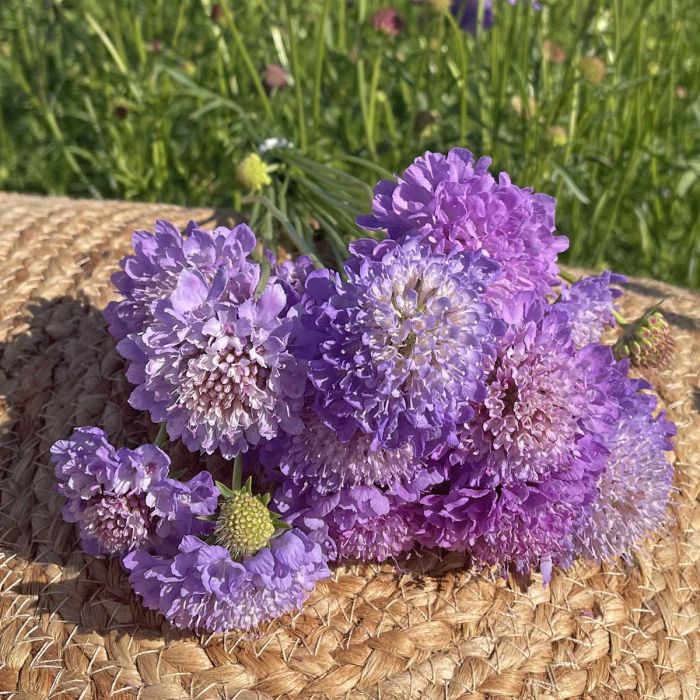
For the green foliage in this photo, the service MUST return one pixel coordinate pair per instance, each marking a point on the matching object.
(593, 101)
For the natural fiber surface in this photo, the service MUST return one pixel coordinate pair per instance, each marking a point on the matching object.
(70, 628)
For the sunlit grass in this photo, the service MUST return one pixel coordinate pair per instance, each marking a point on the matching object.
(593, 101)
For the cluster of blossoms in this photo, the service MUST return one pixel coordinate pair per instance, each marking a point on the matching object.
(446, 388)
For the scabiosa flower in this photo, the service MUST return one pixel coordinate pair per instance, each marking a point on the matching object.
(318, 456)
(453, 203)
(525, 468)
(521, 524)
(218, 372)
(357, 522)
(202, 587)
(161, 258)
(531, 418)
(634, 489)
(122, 499)
(590, 303)
(400, 346)
(292, 275)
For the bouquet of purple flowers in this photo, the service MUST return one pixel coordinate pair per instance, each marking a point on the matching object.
(448, 388)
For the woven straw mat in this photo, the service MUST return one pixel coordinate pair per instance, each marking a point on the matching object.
(71, 628)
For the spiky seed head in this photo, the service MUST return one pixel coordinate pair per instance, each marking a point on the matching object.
(245, 525)
(648, 342)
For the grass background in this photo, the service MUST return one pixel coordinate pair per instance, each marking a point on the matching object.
(159, 100)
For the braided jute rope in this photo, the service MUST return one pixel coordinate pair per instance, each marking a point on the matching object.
(70, 628)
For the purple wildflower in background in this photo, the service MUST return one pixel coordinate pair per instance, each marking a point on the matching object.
(453, 203)
(634, 488)
(590, 303)
(399, 348)
(122, 499)
(466, 12)
(202, 588)
(161, 258)
(275, 77)
(213, 361)
(317, 456)
(388, 21)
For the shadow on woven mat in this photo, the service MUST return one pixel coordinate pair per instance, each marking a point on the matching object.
(62, 372)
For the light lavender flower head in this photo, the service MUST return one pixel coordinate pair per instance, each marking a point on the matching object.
(634, 489)
(452, 203)
(201, 587)
(590, 303)
(525, 469)
(398, 349)
(213, 362)
(160, 258)
(123, 499)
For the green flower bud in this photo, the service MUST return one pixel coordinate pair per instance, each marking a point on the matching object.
(245, 525)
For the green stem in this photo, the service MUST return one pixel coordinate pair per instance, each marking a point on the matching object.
(620, 318)
(320, 55)
(162, 437)
(567, 276)
(264, 275)
(248, 61)
(237, 478)
(298, 241)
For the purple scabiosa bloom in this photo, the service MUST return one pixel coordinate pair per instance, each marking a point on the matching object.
(201, 587)
(453, 203)
(220, 377)
(123, 499)
(590, 303)
(357, 522)
(525, 468)
(160, 260)
(209, 355)
(634, 489)
(536, 403)
(398, 349)
(318, 456)
(292, 275)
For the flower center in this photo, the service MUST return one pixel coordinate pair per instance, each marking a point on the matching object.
(118, 523)
(244, 525)
(227, 387)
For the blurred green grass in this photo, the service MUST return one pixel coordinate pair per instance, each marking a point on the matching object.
(593, 101)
